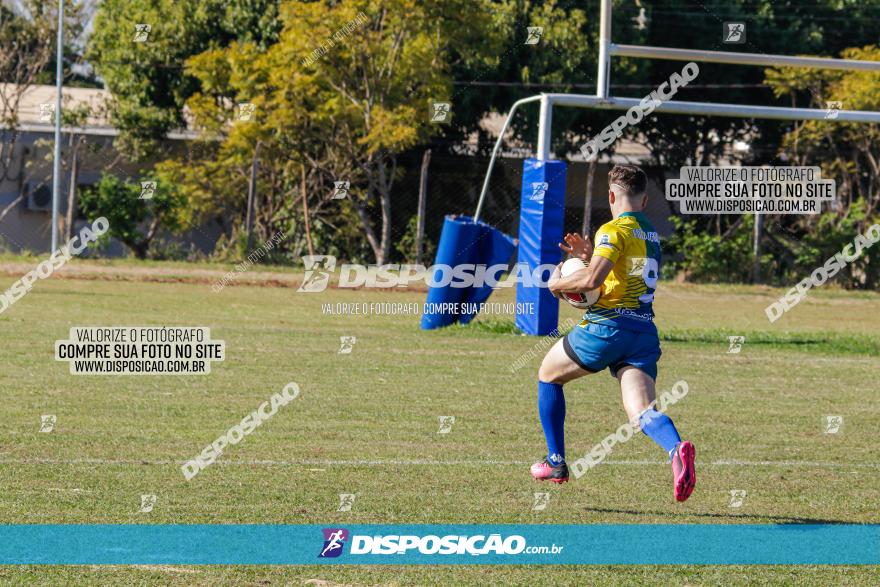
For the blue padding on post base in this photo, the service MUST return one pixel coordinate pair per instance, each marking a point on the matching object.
(464, 241)
(540, 232)
(493, 248)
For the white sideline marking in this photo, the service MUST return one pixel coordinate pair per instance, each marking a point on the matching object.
(429, 462)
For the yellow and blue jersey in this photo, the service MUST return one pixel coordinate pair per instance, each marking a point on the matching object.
(631, 243)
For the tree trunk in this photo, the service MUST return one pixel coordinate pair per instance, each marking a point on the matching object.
(368, 230)
(142, 247)
(13, 204)
(71, 191)
(21, 179)
(385, 199)
(423, 193)
(252, 196)
(302, 184)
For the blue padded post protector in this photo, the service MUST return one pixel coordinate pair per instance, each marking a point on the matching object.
(493, 248)
(540, 232)
(464, 241)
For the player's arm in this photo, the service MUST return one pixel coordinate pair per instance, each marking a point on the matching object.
(586, 280)
(608, 248)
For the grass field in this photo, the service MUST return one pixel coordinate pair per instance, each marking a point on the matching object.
(367, 423)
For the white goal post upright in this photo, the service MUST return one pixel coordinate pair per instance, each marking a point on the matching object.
(549, 223)
(604, 101)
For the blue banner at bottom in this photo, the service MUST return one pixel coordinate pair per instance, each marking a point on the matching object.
(590, 544)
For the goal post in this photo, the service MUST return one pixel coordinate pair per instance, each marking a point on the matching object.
(544, 230)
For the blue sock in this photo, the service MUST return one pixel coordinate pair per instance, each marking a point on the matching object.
(659, 428)
(551, 408)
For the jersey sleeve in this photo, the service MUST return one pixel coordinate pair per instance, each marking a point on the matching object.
(609, 243)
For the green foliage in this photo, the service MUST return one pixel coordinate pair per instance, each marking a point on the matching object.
(236, 248)
(847, 151)
(147, 78)
(340, 236)
(819, 27)
(705, 257)
(830, 235)
(565, 54)
(406, 245)
(700, 256)
(133, 220)
(345, 88)
(27, 45)
(342, 107)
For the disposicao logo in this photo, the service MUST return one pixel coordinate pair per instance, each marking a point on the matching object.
(431, 544)
(334, 540)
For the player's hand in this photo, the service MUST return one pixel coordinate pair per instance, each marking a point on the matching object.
(554, 279)
(577, 246)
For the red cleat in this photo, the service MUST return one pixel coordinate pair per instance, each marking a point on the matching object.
(683, 474)
(543, 471)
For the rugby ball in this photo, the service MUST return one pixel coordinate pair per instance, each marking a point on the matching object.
(581, 301)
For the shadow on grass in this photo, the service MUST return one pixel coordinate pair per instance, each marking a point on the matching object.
(761, 517)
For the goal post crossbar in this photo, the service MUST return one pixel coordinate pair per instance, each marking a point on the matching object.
(764, 59)
(603, 101)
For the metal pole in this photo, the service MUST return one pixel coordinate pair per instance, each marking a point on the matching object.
(759, 229)
(56, 166)
(604, 72)
(545, 124)
(495, 152)
(650, 52)
(588, 199)
(709, 109)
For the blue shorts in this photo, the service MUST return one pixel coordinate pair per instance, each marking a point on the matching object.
(594, 347)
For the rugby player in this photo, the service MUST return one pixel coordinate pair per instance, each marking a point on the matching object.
(617, 332)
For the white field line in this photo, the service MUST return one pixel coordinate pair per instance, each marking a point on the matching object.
(429, 462)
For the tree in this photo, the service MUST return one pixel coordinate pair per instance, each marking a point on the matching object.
(346, 88)
(71, 157)
(372, 90)
(146, 77)
(27, 47)
(133, 219)
(507, 69)
(848, 152)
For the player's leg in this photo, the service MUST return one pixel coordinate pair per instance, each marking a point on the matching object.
(558, 368)
(638, 392)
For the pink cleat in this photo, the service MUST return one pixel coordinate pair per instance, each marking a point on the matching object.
(543, 470)
(683, 474)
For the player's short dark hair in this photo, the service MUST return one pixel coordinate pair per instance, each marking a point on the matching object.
(629, 177)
